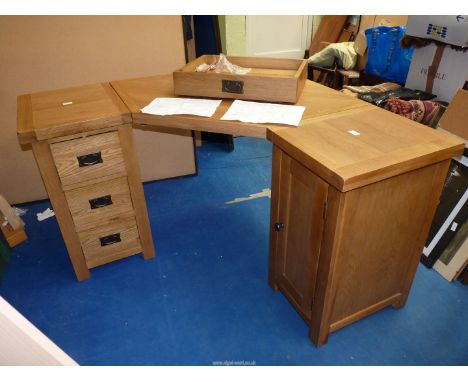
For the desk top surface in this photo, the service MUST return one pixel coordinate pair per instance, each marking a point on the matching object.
(137, 93)
(347, 142)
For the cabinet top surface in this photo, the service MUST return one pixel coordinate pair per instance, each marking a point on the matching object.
(139, 92)
(55, 113)
(358, 147)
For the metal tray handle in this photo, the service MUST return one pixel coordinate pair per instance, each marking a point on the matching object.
(89, 159)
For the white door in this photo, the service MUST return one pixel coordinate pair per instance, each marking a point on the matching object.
(277, 36)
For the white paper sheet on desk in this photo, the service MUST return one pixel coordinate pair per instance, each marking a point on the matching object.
(259, 112)
(175, 106)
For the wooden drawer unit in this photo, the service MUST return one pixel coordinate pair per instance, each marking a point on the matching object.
(83, 143)
(95, 204)
(91, 157)
(111, 241)
(353, 196)
(270, 79)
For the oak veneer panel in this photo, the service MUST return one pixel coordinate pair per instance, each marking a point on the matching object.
(44, 115)
(66, 155)
(382, 225)
(387, 145)
(270, 79)
(96, 254)
(86, 217)
(136, 93)
(302, 198)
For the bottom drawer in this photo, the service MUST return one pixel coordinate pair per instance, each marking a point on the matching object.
(110, 242)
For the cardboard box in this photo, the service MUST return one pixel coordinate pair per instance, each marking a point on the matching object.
(449, 29)
(455, 118)
(438, 69)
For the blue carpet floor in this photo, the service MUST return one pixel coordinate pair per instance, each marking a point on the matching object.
(205, 297)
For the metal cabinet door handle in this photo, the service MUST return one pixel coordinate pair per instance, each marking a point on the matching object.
(278, 226)
(100, 202)
(89, 159)
(110, 239)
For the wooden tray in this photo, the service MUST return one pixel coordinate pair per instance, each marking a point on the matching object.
(271, 79)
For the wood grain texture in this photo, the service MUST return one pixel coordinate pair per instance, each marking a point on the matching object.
(136, 190)
(53, 186)
(365, 257)
(382, 228)
(44, 116)
(387, 145)
(97, 254)
(270, 79)
(139, 92)
(439, 175)
(301, 210)
(86, 217)
(326, 274)
(12, 236)
(66, 157)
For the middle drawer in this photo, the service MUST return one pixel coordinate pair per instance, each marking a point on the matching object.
(95, 205)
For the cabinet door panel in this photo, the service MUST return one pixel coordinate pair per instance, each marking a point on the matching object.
(302, 199)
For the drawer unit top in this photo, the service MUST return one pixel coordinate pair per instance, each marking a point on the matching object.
(61, 112)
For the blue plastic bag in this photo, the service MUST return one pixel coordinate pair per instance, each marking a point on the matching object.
(386, 59)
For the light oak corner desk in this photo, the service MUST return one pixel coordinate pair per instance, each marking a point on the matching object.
(354, 189)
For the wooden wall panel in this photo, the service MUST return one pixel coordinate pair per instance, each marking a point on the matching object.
(48, 52)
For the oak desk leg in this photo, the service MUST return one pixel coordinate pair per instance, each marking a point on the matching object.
(136, 190)
(53, 186)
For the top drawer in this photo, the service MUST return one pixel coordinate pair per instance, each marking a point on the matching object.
(92, 157)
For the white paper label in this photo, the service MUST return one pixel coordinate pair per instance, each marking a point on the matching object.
(354, 132)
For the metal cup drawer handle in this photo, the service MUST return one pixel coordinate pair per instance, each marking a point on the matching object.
(89, 159)
(229, 86)
(100, 202)
(110, 239)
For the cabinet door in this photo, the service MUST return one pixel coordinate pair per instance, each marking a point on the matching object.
(302, 203)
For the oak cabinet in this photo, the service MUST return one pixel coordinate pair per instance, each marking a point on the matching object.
(350, 214)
